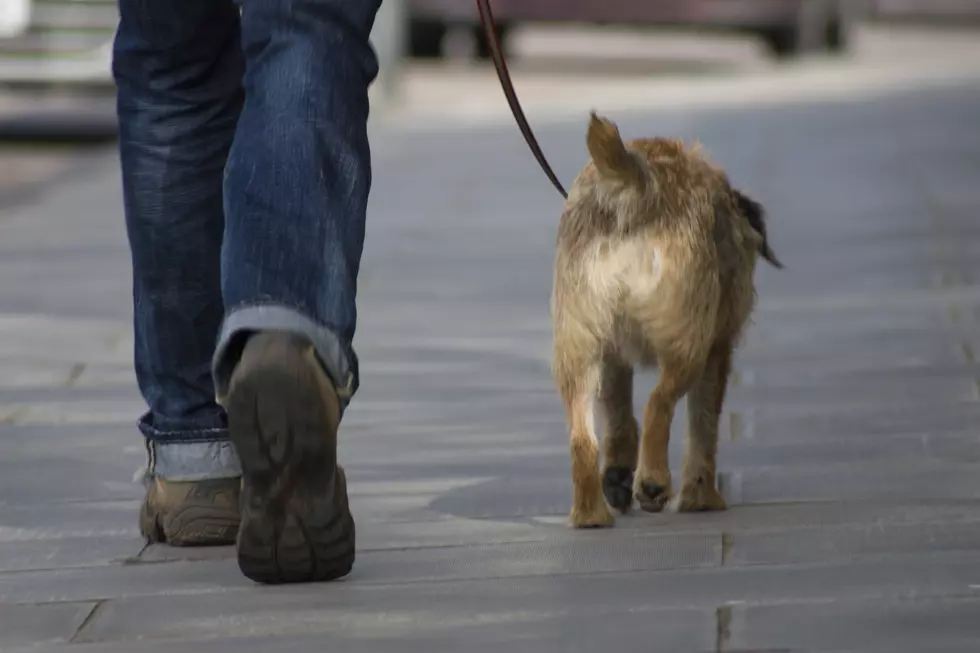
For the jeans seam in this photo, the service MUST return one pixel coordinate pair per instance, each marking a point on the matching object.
(196, 435)
(269, 301)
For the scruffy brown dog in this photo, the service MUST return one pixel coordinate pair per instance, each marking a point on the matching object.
(656, 254)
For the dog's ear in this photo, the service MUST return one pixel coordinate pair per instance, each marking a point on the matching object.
(756, 215)
(609, 153)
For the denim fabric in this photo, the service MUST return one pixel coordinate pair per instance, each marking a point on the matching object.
(246, 171)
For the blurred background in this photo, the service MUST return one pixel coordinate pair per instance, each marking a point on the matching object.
(56, 93)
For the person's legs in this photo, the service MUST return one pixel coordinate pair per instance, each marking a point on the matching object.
(178, 67)
(296, 190)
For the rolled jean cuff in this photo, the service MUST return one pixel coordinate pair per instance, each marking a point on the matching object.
(190, 461)
(204, 428)
(336, 356)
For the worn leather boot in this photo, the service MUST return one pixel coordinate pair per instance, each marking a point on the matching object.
(193, 513)
(283, 415)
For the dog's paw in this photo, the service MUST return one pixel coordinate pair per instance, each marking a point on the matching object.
(652, 497)
(617, 486)
(598, 517)
(698, 497)
(652, 490)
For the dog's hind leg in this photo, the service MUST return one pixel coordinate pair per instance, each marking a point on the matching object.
(620, 438)
(652, 485)
(699, 490)
(579, 386)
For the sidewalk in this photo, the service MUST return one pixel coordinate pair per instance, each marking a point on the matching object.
(850, 454)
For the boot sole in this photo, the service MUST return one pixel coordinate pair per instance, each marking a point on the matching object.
(296, 522)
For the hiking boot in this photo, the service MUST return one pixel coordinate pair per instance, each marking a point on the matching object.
(192, 513)
(283, 414)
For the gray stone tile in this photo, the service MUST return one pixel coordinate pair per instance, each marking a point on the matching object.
(120, 581)
(858, 481)
(375, 536)
(562, 553)
(41, 624)
(378, 583)
(52, 462)
(875, 626)
(165, 553)
(69, 519)
(873, 540)
(66, 534)
(801, 518)
(840, 353)
(64, 476)
(758, 523)
(307, 628)
(776, 382)
(418, 609)
(527, 628)
(782, 421)
(519, 496)
(67, 552)
(557, 556)
(747, 453)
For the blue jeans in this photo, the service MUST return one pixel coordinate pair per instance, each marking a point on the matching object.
(246, 170)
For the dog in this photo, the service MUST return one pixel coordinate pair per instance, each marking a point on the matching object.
(656, 253)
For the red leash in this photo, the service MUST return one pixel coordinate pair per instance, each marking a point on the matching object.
(496, 54)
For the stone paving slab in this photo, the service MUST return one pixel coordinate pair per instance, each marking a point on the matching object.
(530, 631)
(24, 169)
(362, 609)
(923, 625)
(524, 549)
(849, 452)
(67, 551)
(43, 624)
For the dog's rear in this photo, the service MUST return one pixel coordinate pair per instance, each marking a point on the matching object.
(656, 253)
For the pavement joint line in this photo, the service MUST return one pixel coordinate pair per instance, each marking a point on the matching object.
(89, 618)
(946, 279)
(735, 426)
(943, 249)
(15, 415)
(953, 313)
(968, 352)
(137, 561)
(730, 486)
(138, 558)
(971, 357)
(723, 627)
(727, 543)
(74, 373)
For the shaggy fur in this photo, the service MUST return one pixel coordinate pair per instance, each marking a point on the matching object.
(654, 267)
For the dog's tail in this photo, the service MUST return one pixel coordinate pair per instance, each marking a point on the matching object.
(756, 215)
(609, 154)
